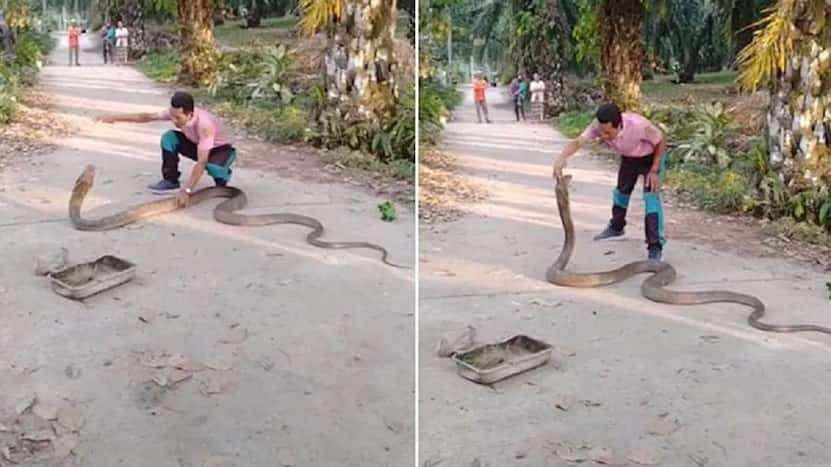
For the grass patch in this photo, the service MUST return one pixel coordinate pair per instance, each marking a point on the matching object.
(572, 124)
(707, 87)
(344, 157)
(283, 124)
(717, 191)
(161, 67)
(273, 30)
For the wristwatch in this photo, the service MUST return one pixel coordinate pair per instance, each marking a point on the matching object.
(188, 191)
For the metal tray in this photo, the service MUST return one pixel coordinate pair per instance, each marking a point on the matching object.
(489, 363)
(86, 279)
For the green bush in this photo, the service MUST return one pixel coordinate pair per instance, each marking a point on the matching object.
(283, 124)
(291, 124)
(260, 74)
(719, 191)
(572, 124)
(8, 108)
(435, 103)
(402, 129)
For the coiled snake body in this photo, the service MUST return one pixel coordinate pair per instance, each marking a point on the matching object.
(224, 212)
(653, 287)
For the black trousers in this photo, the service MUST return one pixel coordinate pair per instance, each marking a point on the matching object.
(174, 144)
(519, 107)
(630, 169)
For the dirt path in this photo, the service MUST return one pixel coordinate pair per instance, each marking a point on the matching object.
(690, 386)
(309, 351)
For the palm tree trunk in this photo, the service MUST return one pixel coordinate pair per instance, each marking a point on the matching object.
(621, 51)
(198, 54)
(360, 59)
(132, 14)
(799, 122)
(551, 58)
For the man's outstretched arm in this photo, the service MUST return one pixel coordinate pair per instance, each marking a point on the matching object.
(130, 118)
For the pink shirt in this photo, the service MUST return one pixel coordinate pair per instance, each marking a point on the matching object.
(636, 138)
(201, 119)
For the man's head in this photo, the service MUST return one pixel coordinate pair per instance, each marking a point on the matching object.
(121, 24)
(73, 23)
(181, 108)
(609, 121)
(536, 76)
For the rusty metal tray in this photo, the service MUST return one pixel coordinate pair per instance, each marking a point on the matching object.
(86, 279)
(489, 363)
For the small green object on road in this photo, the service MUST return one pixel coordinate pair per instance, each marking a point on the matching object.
(387, 211)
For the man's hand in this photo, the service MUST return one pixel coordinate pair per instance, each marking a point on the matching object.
(652, 181)
(183, 199)
(559, 165)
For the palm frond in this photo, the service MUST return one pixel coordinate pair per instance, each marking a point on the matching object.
(773, 42)
(317, 15)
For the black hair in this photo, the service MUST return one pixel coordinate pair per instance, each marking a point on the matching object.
(609, 113)
(182, 100)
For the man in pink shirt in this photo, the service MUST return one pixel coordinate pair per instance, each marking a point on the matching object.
(199, 136)
(641, 146)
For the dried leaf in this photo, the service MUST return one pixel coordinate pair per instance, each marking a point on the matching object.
(170, 377)
(570, 454)
(38, 435)
(216, 363)
(71, 418)
(235, 337)
(50, 262)
(663, 426)
(46, 410)
(182, 362)
(266, 363)
(211, 385)
(23, 404)
(565, 402)
(605, 456)
(64, 446)
(218, 461)
(646, 456)
(72, 371)
(565, 351)
(452, 343)
(154, 360)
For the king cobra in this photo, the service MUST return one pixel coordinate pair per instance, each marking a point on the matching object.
(653, 288)
(224, 212)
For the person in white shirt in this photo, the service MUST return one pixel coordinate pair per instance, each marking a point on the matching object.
(537, 89)
(122, 42)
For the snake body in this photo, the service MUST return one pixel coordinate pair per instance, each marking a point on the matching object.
(224, 212)
(653, 288)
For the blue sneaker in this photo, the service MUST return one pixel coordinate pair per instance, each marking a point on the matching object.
(164, 187)
(608, 233)
(655, 254)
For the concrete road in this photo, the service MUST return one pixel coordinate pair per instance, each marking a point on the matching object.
(316, 345)
(710, 389)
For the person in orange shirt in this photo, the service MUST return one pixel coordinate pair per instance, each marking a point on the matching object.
(479, 88)
(74, 39)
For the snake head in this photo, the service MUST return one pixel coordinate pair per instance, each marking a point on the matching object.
(86, 178)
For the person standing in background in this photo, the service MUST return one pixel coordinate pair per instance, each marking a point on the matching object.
(538, 97)
(521, 97)
(480, 86)
(74, 42)
(105, 42)
(122, 42)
